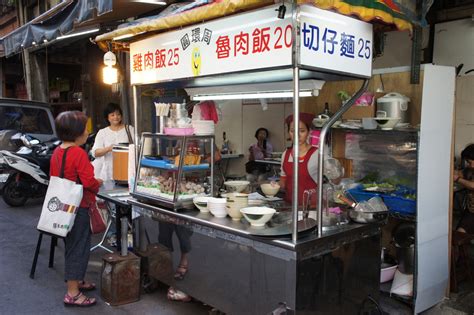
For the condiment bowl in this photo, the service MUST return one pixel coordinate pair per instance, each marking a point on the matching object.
(236, 185)
(258, 216)
(270, 189)
(201, 203)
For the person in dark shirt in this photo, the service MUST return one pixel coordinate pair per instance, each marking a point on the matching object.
(466, 179)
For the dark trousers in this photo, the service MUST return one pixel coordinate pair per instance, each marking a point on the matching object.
(77, 247)
(165, 236)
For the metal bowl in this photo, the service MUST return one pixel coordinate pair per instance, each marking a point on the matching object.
(367, 217)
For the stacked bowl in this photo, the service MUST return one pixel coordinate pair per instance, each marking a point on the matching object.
(203, 127)
(235, 202)
(217, 206)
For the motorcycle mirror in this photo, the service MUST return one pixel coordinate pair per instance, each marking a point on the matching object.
(25, 141)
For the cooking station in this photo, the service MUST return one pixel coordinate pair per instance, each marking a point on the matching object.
(238, 272)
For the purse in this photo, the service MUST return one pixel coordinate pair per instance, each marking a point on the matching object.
(63, 198)
(98, 218)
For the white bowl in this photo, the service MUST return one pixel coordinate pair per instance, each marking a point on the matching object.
(236, 185)
(258, 216)
(387, 123)
(201, 203)
(217, 207)
(270, 190)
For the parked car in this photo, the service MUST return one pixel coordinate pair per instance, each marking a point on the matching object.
(27, 117)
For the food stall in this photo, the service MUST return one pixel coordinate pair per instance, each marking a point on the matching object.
(292, 264)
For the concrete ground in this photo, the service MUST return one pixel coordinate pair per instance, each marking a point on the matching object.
(43, 295)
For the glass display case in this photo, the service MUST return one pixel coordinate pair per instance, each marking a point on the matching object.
(174, 169)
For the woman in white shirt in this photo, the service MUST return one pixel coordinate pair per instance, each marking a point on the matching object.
(117, 132)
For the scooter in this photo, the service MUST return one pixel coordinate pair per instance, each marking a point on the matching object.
(25, 172)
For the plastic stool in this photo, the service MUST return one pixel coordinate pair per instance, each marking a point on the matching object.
(54, 242)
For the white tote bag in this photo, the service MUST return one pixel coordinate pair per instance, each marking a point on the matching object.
(62, 200)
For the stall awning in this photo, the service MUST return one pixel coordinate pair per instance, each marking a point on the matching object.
(393, 13)
(56, 22)
(70, 16)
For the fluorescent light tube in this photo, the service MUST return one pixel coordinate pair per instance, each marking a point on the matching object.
(151, 2)
(123, 36)
(78, 33)
(217, 97)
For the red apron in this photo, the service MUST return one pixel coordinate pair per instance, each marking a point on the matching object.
(305, 180)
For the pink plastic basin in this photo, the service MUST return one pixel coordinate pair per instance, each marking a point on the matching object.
(179, 131)
(387, 272)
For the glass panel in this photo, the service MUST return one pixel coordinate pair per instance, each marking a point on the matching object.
(160, 167)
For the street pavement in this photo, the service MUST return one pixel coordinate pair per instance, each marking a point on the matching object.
(43, 295)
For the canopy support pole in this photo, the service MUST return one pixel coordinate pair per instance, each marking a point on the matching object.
(322, 139)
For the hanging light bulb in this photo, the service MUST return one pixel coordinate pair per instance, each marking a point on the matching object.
(109, 72)
(110, 75)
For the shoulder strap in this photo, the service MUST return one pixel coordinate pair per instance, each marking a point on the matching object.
(127, 129)
(63, 163)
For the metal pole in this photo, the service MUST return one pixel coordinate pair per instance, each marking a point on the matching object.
(296, 115)
(124, 236)
(322, 138)
(135, 122)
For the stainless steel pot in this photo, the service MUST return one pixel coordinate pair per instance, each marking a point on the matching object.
(404, 237)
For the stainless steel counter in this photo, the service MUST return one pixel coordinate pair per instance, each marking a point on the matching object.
(282, 234)
(238, 272)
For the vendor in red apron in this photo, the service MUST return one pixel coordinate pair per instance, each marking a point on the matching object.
(308, 160)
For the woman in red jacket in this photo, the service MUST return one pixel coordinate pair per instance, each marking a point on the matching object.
(71, 129)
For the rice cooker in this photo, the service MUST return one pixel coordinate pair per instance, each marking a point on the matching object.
(393, 105)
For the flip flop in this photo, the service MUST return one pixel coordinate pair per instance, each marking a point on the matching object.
(177, 295)
(86, 286)
(180, 272)
(73, 300)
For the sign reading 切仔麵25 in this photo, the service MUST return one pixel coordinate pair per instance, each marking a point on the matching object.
(253, 41)
(330, 41)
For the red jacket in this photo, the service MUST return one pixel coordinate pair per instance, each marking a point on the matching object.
(77, 165)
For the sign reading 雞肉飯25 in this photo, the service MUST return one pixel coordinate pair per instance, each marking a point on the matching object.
(254, 40)
(330, 41)
(248, 41)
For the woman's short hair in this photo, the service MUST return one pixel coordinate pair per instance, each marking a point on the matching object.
(111, 108)
(468, 152)
(70, 125)
(264, 129)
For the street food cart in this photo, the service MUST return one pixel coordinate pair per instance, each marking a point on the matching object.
(299, 265)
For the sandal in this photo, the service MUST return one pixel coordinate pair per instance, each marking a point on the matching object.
(180, 272)
(177, 295)
(86, 286)
(74, 300)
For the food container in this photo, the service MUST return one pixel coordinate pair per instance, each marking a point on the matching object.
(235, 202)
(120, 163)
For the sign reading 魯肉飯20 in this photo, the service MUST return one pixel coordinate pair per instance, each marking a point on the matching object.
(330, 41)
(248, 41)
